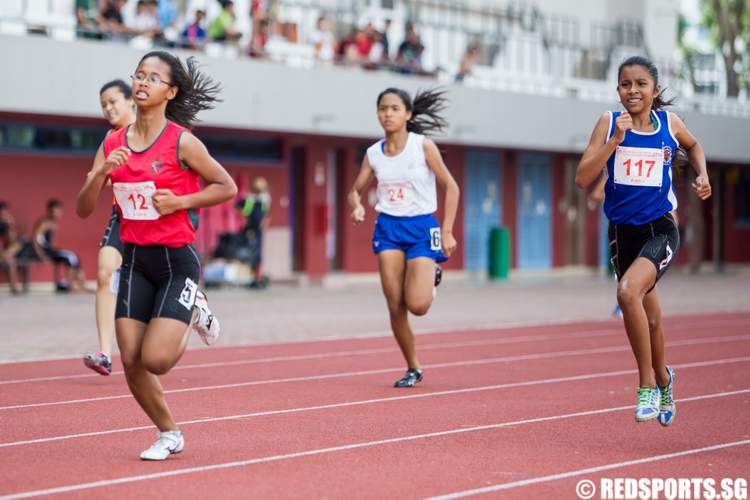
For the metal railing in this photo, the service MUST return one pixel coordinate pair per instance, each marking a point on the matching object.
(520, 48)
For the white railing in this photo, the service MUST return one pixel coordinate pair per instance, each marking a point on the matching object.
(524, 64)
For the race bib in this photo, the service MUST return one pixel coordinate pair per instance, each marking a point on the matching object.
(395, 193)
(435, 241)
(639, 166)
(187, 296)
(134, 199)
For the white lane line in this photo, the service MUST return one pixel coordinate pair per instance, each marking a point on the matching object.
(366, 444)
(337, 354)
(590, 470)
(509, 385)
(615, 329)
(474, 362)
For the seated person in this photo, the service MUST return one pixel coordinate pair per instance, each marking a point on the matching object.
(10, 244)
(44, 250)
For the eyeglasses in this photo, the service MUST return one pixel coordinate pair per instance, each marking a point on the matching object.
(152, 79)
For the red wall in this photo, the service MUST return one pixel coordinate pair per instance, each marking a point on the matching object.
(356, 249)
(226, 218)
(27, 182)
(510, 197)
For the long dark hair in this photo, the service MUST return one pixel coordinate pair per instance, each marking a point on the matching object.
(196, 92)
(680, 159)
(121, 86)
(659, 101)
(426, 109)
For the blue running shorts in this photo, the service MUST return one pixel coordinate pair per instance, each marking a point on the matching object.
(417, 236)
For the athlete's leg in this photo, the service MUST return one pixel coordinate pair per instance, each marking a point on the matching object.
(109, 261)
(143, 384)
(392, 265)
(639, 277)
(418, 285)
(164, 344)
(656, 331)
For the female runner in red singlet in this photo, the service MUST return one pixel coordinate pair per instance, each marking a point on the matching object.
(155, 166)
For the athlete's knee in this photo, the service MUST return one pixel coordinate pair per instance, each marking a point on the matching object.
(419, 307)
(103, 277)
(396, 305)
(627, 294)
(157, 364)
(130, 360)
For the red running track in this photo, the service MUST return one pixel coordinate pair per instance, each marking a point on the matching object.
(514, 413)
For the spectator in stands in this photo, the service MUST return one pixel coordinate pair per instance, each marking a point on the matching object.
(365, 39)
(348, 52)
(409, 57)
(44, 250)
(166, 14)
(145, 23)
(222, 28)
(10, 244)
(110, 18)
(260, 38)
(194, 34)
(385, 41)
(468, 61)
(87, 25)
(256, 208)
(377, 51)
(324, 40)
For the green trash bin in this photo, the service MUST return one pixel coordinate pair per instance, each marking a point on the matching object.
(499, 256)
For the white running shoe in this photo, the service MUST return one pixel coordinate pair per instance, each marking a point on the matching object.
(167, 443)
(206, 324)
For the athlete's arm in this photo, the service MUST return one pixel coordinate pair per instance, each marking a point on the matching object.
(696, 156)
(447, 182)
(39, 227)
(219, 188)
(596, 196)
(364, 177)
(599, 150)
(97, 177)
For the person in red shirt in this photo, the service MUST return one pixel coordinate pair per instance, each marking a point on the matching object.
(118, 109)
(155, 166)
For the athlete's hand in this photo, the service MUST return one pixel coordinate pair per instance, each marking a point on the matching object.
(448, 242)
(165, 202)
(623, 123)
(116, 158)
(702, 187)
(358, 214)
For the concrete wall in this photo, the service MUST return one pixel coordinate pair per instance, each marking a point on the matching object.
(63, 78)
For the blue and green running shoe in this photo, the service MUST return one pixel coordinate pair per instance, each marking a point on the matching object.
(667, 408)
(648, 404)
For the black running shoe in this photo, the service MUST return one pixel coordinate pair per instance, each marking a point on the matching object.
(438, 274)
(410, 379)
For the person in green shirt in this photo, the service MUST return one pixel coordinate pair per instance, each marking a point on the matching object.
(222, 28)
(256, 208)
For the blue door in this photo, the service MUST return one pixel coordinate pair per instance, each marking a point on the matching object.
(482, 206)
(534, 212)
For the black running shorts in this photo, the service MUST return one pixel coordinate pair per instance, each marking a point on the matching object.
(657, 241)
(158, 282)
(112, 233)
